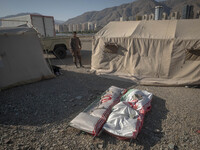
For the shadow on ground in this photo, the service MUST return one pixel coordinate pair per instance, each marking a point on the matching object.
(53, 100)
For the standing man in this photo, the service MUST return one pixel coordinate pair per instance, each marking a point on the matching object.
(76, 49)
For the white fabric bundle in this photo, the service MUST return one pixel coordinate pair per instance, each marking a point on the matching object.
(126, 118)
(92, 121)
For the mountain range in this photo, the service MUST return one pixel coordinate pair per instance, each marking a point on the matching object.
(136, 8)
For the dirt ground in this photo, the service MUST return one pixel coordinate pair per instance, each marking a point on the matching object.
(35, 116)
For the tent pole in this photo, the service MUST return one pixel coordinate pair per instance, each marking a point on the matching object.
(46, 52)
(59, 58)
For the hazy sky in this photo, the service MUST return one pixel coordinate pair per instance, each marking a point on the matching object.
(60, 9)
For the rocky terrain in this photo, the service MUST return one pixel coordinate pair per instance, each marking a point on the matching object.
(36, 116)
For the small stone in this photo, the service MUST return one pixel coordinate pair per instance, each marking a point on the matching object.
(33, 140)
(20, 145)
(39, 130)
(156, 131)
(156, 139)
(92, 147)
(100, 145)
(193, 142)
(183, 145)
(161, 147)
(66, 147)
(9, 141)
(55, 131)
(39, 148)
(185, 139)
(35, 114)
(79, 97)
(26, 148)
(60, 142)
(171, 146)
(71, 100)
(147, 128)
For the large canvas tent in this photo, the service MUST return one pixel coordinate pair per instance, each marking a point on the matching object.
(164, 52)
(21, 57)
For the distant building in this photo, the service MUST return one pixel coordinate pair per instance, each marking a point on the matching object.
(188, 12)
(90, 26)
(78, 27)
(131, 18)
(125, 18)
(121, 19)
(197, 15)
(174, 15)
(57, 28)
(185, 12)
(164, 16)
(95, 27)
(158, 12)
(191, 12)
(70, 27)
(145, 17)
(151, 16)
(84, 27)
(138, 18)
(65, 28)
(61, 28)
(74, 27)
(170, 15)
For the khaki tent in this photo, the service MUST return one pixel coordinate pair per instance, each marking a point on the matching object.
(165, 52)
(21, 57)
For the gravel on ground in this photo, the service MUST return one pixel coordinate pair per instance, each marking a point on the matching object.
(36, 116)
